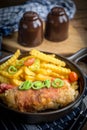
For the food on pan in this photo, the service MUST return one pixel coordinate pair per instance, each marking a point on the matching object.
(37, 82)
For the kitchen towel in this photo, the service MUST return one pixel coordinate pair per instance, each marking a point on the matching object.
(10, 16)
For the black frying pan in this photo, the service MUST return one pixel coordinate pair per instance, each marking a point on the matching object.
(50, 115)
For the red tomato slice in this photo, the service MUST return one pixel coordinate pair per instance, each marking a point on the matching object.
(29, 62)
(73, 76)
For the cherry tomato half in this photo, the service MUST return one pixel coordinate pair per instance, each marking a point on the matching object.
(29, 62)
(73, 76)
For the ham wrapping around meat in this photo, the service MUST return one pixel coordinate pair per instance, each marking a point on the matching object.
(39, 100)
(4, 87)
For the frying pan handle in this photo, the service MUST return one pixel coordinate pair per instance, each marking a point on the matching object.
(78, 55)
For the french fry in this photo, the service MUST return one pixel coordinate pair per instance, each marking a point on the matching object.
(47, 58)
(16, 82)
(56, 75)
(26, 57)
(4, 79)
(44, 71)
(29, 77)
(52, 55)
(57, 69)
(6, 74)
(27, 71)
(11, 60)
(20, 62)
(42, 77)
(18, 73)
(46, 66)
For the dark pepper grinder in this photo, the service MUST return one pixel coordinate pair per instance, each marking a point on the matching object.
(57, 25)
(30, 32)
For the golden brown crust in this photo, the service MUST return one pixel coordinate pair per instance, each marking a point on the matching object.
(38, 100)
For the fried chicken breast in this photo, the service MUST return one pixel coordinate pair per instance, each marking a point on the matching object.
(39, 100)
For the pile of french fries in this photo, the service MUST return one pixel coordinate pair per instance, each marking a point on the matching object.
(46, 67)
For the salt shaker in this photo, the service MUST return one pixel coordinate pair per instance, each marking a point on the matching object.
(30, 32)
(57, 25)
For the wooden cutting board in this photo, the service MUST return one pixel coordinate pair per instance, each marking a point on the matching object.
(69, 46)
